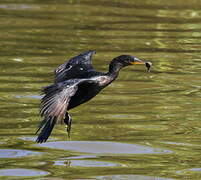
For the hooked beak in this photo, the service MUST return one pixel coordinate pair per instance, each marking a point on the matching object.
(147, 63)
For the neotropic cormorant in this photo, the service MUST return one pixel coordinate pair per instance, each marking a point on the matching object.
(76, 82)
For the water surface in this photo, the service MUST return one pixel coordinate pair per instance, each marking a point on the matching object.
(158, 110)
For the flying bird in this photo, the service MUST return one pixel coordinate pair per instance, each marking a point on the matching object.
(76, 82)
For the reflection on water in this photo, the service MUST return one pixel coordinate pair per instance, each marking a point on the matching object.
(22, 172)
(85, 163)
(154, 116)
(103, 147)
(193, 171)
(128, 177)
(13, 153)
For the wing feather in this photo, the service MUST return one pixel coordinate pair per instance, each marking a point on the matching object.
(56, 99)
(54, 105)
(75, 67)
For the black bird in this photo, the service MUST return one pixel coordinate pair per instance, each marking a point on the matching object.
(76, 82)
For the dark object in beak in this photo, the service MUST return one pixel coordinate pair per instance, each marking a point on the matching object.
(148, 65)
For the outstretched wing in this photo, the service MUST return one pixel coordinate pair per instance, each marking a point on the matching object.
(54, 105)
(56, 99)
(75, 67)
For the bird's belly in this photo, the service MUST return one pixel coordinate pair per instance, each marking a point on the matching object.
(83, 95)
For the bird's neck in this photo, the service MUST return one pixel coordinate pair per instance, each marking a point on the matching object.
(114, 69)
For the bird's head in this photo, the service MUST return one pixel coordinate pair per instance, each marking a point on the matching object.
(126, 60)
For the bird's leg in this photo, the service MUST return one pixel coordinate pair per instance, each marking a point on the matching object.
(68, 122)
(69, 126)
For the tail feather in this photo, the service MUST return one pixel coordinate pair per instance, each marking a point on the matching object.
(47, 125)
(43, 122)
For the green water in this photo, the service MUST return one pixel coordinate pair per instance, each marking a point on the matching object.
(144, 126)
